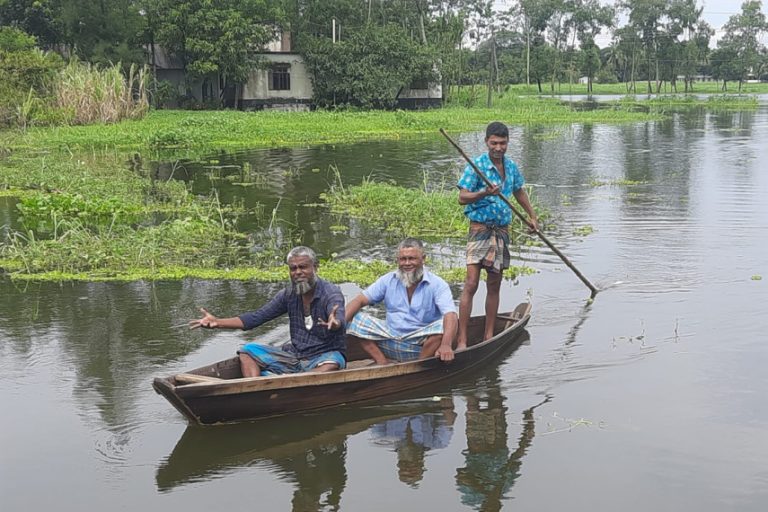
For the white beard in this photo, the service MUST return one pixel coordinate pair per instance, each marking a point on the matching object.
(410, 278)
(302, 287)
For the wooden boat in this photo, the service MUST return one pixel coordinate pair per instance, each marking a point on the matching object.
(218, 393)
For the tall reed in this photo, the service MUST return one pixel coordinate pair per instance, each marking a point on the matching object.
(102, 95)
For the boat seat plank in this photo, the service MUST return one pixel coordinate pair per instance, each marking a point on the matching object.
(191, 378)
(360, 363)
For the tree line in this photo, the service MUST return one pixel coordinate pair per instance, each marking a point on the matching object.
(360, 52)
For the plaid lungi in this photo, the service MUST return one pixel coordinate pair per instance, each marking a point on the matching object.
(488, 245)
(397, 348)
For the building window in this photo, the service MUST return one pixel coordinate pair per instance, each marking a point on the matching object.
(280, 77)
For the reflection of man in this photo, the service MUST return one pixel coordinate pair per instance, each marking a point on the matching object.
(421, 316)
(315, 308)
(490, 471)
(320, 475)
(412, 437)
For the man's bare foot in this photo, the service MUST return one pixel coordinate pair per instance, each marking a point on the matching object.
(461, 346)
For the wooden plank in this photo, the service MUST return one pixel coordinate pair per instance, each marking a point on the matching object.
(191, 378)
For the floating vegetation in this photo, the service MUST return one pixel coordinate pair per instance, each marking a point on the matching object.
(618, 183)
(402, 212)
(201, 131)
(583, 230)
(756, 277)
(362, 273)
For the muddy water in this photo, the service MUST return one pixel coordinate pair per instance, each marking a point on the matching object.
(652, 397)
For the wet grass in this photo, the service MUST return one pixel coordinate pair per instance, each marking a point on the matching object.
(431, 214)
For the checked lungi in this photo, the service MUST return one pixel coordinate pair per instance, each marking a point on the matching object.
(488, 245)
(392, 345)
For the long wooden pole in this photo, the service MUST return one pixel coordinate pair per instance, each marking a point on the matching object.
(522, 218)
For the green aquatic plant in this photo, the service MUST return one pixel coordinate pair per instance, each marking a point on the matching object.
(168, 129)
(583, 230)
(618, 183)
(400, 212)
(756, 277)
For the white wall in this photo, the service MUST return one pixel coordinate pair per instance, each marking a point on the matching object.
(257, 86)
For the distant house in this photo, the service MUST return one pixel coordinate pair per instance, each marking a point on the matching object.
(281, 82)
(697, 78)
(420, 94)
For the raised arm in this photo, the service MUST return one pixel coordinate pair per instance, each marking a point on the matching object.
(209, 321)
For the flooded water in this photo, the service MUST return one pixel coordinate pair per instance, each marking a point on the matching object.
(651, 397)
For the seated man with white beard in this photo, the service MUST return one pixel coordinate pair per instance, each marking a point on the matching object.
(316, 345)
(421, 316)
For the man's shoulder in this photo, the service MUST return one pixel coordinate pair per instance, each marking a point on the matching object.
(511, 165)
(434, 279)
(326, 287)
(483, 161)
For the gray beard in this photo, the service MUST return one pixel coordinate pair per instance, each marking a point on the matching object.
(302, 287)
(410, 278)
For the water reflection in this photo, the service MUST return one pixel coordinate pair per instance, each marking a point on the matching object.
(412, 436)
(490, 469)
(309, 451)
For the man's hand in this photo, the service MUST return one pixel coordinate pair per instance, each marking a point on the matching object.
(493, 190)
(332, 323)
(445, 353)
(207, 322)
(533, 225)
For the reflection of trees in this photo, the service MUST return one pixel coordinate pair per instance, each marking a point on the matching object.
(490, 469)
(114, 336)
(413, 436)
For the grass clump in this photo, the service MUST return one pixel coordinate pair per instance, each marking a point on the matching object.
(410, 212)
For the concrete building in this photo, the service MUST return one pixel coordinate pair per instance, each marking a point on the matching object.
(281, 81)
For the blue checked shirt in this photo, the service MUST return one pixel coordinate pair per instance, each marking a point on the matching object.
(491, 209)
(431, 301)
(305, 343)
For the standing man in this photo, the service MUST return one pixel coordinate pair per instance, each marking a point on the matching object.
(489, 219)
(315, 309)
(421, 317)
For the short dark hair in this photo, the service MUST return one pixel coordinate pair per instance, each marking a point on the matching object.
(498, 129)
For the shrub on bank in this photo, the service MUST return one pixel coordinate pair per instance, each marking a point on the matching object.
(37, 88)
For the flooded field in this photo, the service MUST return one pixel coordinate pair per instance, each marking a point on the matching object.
(651, 397)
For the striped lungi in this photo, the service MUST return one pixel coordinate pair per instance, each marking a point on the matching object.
(488, 245)
(393, 346)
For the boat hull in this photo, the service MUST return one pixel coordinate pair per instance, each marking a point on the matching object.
(227, 400)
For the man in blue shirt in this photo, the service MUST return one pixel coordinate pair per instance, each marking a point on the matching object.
(489, 218)
(421, 316)
(315, 310)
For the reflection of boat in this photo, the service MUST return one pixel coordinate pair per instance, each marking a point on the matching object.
(218, 393)
(204, 453)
